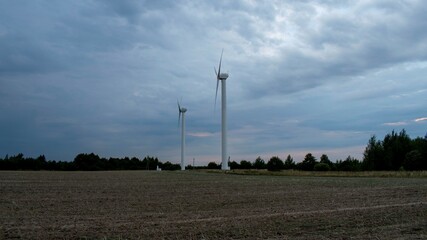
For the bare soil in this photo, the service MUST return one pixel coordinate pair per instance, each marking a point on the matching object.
(200, 205)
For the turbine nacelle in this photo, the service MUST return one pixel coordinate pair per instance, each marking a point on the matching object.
(219, 76)
(222, 76)
(181, 110)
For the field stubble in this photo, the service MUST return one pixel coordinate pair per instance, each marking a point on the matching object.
(200, 205)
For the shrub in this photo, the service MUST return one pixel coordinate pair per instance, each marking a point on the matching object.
(322, 167)
(308, 163)
(245, 164)
(413, 161)
(259, 163)
(289, 163)
(349, 164)
(275, 164)
(213, 165)
(234, 165)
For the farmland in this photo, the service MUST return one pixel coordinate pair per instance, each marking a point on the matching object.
(200, 205)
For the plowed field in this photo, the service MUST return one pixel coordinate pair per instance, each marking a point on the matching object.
(200, 205)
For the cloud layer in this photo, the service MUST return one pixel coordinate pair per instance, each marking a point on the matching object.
(305, 76)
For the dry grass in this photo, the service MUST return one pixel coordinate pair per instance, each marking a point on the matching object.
(296, 173)
(200, 205)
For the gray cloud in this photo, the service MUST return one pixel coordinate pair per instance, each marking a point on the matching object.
(104, 76)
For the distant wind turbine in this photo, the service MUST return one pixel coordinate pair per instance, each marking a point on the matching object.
(182, 111)
(222, 77)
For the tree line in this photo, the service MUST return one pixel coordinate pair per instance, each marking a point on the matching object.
(310, 163)
(397, 151)
(84, 162)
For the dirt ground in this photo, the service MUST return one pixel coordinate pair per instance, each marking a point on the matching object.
(200, 205)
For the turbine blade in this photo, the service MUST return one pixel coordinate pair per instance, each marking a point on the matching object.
(220, 60)
(217, 77)
(179, 106)
(179, 112)
(216, 93)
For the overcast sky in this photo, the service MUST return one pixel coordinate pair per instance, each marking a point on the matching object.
(305, 76)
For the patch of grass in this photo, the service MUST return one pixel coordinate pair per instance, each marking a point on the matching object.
(296, 173)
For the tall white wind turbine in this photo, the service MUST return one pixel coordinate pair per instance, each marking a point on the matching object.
(182, 111)
(222, 77)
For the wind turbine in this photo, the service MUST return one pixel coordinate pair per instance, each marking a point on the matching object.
(182, 111)
(222, 77)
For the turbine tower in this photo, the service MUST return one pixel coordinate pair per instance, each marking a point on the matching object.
(182, 111)
(222, 77)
